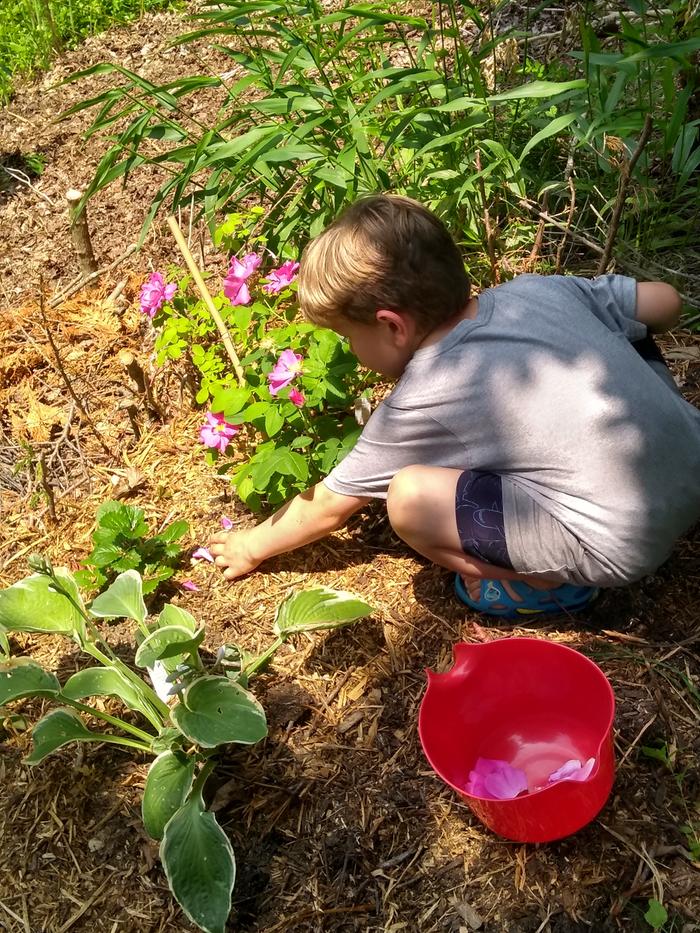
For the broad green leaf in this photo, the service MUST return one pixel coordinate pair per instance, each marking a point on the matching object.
(199, 865)
(152, 647)
(58, 728)
(168, 783)
(177, 649)
(21, 677)
(552, 128)
(173, 615)
(214, 710)
(173, 532)
(230, 402)
(32, 606)
(167, 739)
(538, 89)
(281, 460)
(273, 421)
(4, 643)
(123, 598)
(317, 609)
(103, 682)
(657, 914)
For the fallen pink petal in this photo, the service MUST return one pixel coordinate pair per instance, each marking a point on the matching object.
(202, 553)
(189, 585)
(495, 780)
(287, 368)
(226, 523)
(281, 278)
(296, 397)
(154, 294)
(216, 432)
(572, 770)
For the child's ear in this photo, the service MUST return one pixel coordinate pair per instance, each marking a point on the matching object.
(400, 326)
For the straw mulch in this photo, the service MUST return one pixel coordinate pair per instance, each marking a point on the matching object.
(337, 820)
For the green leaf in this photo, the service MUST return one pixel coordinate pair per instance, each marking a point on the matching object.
(273, 421)
(123, 598)
(167, 740)
(539, 89)
(230, 402)
(58, 728)
(177, 649)
(32, 606)
(125, 519)
(168, 783)
(213, 711)
(282, 460)
(21, 677)
(152, 648)
(657, 914)
(103, 682)
(173, 615)
(173, 532)
(317, 609)
(199, 865)
(552, 128)
(4, 643)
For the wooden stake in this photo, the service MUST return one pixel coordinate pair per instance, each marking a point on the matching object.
(80, 233)
(208, 301)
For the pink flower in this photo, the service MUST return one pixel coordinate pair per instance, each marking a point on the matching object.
(296, 397)
(495, 780)
(202, 553)
(189, 585)
(235, 287)
(217, 432)
(154, 293)
(286, 368)
(226, 523)
(281, 278)
(572, 770)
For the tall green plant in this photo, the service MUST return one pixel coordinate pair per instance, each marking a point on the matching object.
(329, 105)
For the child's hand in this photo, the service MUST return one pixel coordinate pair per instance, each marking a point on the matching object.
(232, 550)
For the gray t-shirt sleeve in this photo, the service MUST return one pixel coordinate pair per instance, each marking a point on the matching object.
(392, 439)
(613, 300)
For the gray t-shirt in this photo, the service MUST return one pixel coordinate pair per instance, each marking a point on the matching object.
(600, 456)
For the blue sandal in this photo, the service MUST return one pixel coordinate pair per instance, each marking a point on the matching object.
(494, 599)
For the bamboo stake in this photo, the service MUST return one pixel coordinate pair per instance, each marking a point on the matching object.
(208, 301)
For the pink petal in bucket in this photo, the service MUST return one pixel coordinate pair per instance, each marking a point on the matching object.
(572, 770)
(495, 780)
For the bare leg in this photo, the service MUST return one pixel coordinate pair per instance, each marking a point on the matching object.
(421, 507)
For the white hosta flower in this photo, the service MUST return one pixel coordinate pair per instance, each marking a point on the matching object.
(159, 679)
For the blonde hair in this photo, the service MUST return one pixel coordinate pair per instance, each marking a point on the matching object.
(383, 252)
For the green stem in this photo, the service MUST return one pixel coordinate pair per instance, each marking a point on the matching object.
(112, 720)
(264, 659)
(121, 740)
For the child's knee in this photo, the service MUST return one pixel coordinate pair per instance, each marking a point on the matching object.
(405, 497)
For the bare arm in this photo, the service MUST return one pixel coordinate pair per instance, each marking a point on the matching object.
(658, 306)
(309, 516)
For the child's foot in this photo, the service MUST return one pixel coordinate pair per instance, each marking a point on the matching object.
(512, 598)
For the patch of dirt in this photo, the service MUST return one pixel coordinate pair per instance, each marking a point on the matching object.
(337, 821)
(34, 226)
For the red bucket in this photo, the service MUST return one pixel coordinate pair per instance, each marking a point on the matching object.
(533, 704)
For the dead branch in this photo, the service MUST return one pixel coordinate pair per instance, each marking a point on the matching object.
(64, 374)
(623, 184)
(83, 280)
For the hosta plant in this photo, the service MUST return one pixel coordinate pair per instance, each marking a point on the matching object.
(184, 717)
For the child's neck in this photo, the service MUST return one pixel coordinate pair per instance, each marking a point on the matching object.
(435, 336)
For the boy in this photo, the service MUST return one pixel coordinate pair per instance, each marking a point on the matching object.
(528, 445)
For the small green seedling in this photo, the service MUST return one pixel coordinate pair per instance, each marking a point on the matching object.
(657, 915)
(121, 541)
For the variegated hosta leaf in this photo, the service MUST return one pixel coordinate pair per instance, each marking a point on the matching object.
(317, 609)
